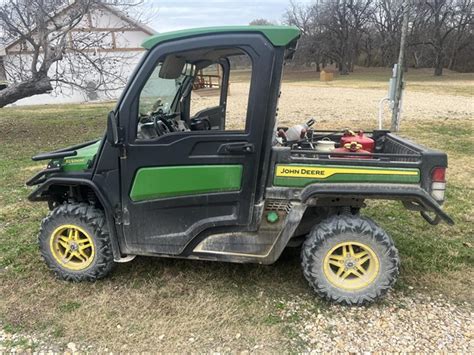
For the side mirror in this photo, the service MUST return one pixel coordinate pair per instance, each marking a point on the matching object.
(114, 136)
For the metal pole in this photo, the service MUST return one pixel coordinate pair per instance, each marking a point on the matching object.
(396, 110)
(381, 102)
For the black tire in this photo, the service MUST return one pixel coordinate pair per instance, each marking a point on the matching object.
(338, 230)
(89, 219)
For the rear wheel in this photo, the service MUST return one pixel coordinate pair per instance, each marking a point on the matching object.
(349, 259)
(75, 244)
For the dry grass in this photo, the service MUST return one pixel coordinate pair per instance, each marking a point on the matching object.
(181, 305)
(417, 80)
(149, 304)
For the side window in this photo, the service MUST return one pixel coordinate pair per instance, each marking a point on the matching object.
(239, 91)
(163, 86)
(158, 106)
(206, 97)
(207, 87)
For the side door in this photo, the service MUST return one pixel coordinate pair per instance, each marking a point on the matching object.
(183, 183)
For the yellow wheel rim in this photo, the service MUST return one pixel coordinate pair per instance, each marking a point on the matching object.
(351, 266)
(72, 247)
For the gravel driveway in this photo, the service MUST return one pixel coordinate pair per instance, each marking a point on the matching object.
(415, 323)
(332, 103)
(329, 105)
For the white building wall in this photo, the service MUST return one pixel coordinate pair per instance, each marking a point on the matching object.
(130, 39)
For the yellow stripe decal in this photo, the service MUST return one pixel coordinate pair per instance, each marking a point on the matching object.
(320, 172)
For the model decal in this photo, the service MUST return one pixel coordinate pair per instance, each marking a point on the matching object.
(321, 172)
(302, 175)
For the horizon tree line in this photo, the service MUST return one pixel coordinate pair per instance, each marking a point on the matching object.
(367, 33)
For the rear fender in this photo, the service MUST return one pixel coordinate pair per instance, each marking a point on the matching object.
(409, 194)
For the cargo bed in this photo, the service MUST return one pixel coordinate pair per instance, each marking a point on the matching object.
(398, 169)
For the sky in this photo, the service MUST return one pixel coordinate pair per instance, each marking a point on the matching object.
(169, 15)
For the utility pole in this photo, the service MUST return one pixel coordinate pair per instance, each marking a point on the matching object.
(396, 109)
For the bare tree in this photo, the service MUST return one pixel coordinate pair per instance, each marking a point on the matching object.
(312, 46)
(58, 51)
(345, 22)
(331, 30)
(463, 36)
(260, 22)
(367, 32)
(439, 23)
(387, 21)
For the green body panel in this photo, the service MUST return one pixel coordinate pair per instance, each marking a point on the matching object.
(277, 35)
(341, 173)
(82, 160)
(170, 181)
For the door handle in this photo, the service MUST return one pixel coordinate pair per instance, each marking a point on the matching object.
(237, 148)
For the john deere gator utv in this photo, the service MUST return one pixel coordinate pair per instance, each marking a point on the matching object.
(164, 181)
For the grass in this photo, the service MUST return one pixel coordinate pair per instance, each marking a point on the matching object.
(185, 305)
(377, 78)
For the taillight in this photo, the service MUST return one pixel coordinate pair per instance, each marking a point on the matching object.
(438, 183)
(438, 174)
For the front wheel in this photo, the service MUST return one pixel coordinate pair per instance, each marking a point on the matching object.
(74, 242)
(350, 260)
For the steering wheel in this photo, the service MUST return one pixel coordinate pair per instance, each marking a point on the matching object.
(160, 127)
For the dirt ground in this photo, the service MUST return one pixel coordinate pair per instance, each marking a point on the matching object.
(331, 104)
(334, 106)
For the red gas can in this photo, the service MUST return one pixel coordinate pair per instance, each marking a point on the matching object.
(360, 138)
(352, 147)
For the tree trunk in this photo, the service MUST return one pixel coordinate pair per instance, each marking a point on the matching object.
(415, 60)
(452, 60)
(15, 92)
(344, 70)
(438, 64)
(369, 60)
(344, 65)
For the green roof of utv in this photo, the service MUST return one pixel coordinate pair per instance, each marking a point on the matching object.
(279, 36)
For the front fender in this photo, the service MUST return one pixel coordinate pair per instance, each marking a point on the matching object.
(42, 193)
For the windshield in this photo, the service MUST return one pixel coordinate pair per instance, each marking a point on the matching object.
(159, 93)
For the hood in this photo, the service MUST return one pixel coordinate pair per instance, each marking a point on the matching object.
(82, 160)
